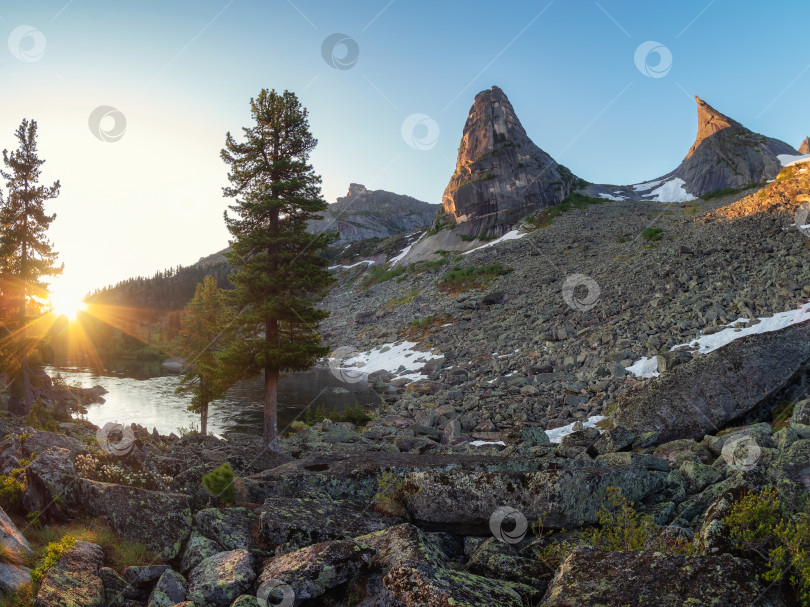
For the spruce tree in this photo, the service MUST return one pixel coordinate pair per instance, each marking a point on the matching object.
(204, 322)
(26, 254)
(279, 269)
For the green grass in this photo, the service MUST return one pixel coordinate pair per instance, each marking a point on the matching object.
(354, 414)
(653, 234)
(379, 274)
(462, 279)
(729, 191)
(543, 219)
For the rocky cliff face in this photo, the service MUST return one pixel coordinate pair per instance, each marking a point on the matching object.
(364, 213)
(804, 148)
(501, 175)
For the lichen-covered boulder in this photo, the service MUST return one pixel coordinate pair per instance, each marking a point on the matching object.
(40, 442)
(591, 578)
(13, 578)
(219, 579)
(569, 497)
(74, 579)
(247, 600)
(198, 547)
(52, 485)
(313, 570)
(422, 585)
(169, 590)
(496, 559)
(231, 528)
(399, 544)
(143, 577)
(161, 520)
(116, 589)
(15, 547)
(304, 521)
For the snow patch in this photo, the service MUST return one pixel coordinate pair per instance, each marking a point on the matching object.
(405, 251)
(398, 358)
(790, 159)
(513, 235)
(648, 185)
(354, 265)
(555, 435)
(614, 196)
(647, 367)
(481, 443)
(671, 191)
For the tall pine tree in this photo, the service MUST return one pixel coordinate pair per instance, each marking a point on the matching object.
(26, 254)
(280, 272)
(203, 326)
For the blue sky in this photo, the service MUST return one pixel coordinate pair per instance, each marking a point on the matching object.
(181, 74)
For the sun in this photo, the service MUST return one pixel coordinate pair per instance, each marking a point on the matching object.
(67, 304)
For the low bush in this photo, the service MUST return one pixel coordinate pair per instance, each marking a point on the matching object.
(219, 483)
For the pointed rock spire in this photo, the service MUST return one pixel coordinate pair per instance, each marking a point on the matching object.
(805, 146)
(501, 175)
(710, 121)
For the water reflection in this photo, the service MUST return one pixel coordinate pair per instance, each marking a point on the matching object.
(143, 393)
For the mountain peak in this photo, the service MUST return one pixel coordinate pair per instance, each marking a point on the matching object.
(710, 121)
(804, 148)
(501, 175)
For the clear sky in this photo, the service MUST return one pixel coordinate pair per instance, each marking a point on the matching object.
(181, 74)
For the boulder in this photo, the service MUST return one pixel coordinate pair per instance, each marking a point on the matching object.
(169, 590)
(74, 579)
(400, 544)
(13, 544)
(305, 521)
(53, 485)
(116, 589)
(422, 585)
(218, 580)
(568, 498)
(13, 578)
(40, 442)
(704, 395)
(231, 528)
(198, 547)
(313, 570)
(161, 520)
(144, 577)
(496, 559)
(591, 578)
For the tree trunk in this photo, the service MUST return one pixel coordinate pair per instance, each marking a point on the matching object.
(270, 436)
(204, 419)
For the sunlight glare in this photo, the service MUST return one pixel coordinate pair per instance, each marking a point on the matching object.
(67, 304)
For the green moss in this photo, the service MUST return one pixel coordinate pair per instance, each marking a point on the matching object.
(53, 553)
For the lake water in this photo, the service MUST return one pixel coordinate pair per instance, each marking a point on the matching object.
(144, 394)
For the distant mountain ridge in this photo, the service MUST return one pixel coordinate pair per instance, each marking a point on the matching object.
(365, 213)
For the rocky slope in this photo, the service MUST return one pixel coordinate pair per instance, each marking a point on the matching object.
(364, 213)
(501, 175)
(725, 155)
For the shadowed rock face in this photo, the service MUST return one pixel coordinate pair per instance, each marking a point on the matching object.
(364, 213)
(804, 148)
(501, 175)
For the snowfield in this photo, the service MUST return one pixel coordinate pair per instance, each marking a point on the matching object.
(399, 359)
(513, 235)
(788, 159)
(672, 191)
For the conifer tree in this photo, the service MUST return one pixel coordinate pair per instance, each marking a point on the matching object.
(26, 254)
(201, 337)
(279, 270)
